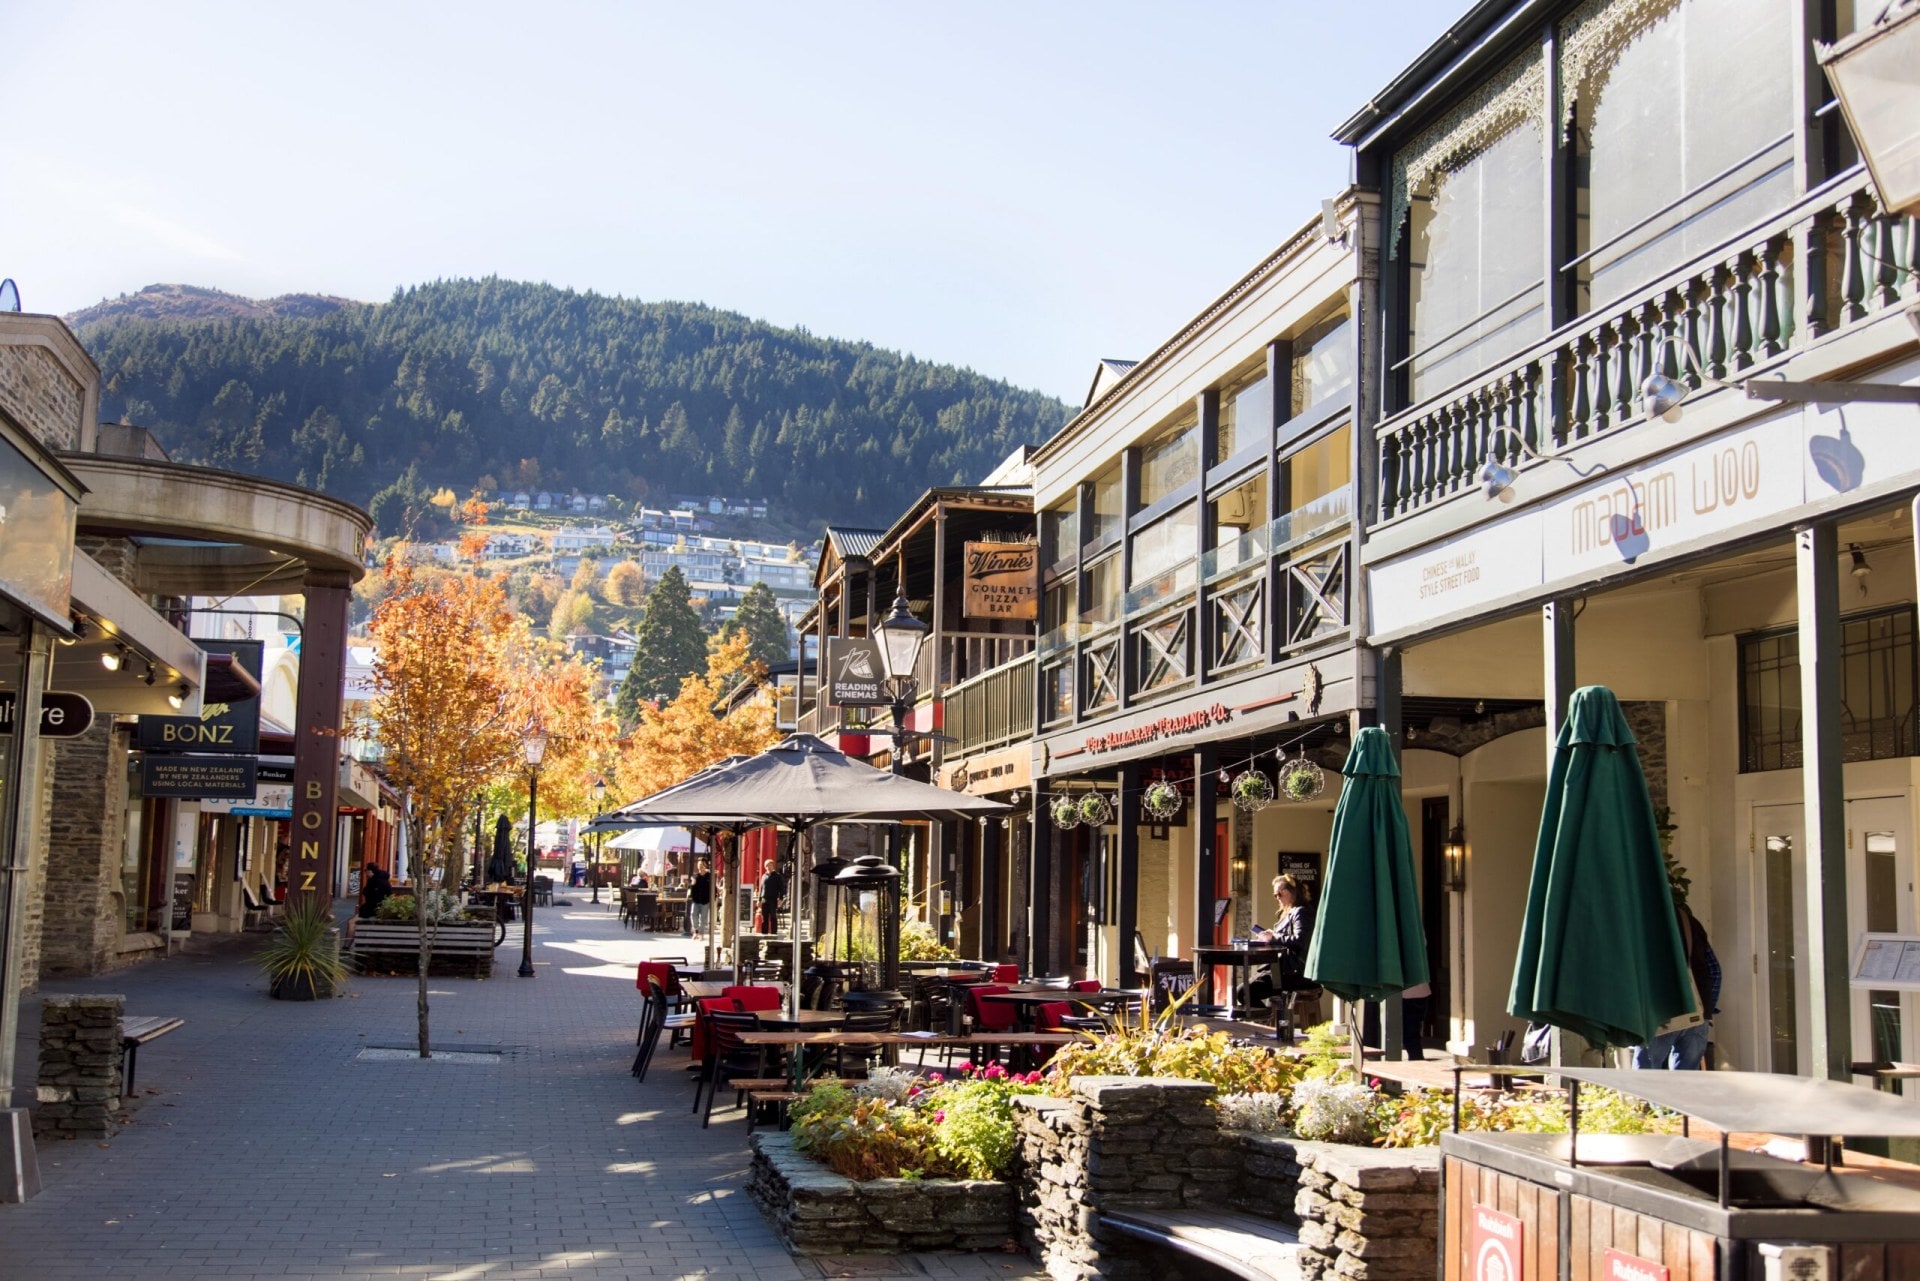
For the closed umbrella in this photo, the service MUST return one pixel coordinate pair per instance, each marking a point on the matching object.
(500, 863)
(1600, 949)
(1367, 940)
(799, 783)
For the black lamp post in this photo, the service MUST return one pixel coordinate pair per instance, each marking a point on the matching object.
(536, 747)
(593, 869)
(479, 858)
(901, 637)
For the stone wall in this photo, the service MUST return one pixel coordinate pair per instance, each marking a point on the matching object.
(79, 1067)
(819, 1212)
(42, 395)
(1116, 1143)
(86, 831)
(1141, 1143)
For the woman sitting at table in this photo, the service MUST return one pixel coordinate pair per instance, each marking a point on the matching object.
(1291, 933)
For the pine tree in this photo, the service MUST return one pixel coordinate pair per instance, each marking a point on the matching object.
(668, 647)
(759, 619)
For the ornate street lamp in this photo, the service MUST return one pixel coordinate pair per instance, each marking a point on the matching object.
(901, 637)
(536, 748)
(1872, 73)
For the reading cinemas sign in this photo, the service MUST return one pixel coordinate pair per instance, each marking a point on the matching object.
(1002, 580)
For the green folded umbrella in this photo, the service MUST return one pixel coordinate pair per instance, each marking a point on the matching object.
(1367, 942)
(1600, 950)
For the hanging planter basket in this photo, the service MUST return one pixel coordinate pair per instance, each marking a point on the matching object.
(1161, 800)
(1065, 811)
(1095, 809)
(1301, 780)
(1252, 791)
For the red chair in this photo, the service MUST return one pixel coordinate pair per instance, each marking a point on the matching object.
(752, 996)
(1006, 974)
(1053, 1015)
(989, 1016)
(1086, 985)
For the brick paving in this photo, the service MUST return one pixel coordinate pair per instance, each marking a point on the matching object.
(263, 1146)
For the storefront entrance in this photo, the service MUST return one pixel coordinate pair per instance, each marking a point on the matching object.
(1879, 898)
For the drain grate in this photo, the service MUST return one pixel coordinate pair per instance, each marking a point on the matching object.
(449, 1054)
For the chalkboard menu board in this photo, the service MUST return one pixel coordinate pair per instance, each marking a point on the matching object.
(182, 901)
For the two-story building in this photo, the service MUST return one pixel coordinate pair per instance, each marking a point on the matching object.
(1196, 627)
(1625, 248)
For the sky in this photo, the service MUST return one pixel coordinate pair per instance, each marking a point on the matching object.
(1020, 188)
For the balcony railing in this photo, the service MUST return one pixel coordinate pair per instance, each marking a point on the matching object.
(1833, 258)
(992, 709)
(965, 655)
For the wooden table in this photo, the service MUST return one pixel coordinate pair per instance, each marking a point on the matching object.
(1238, 960)
(799, 1040)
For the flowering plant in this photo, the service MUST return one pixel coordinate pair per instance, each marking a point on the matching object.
(896, 1124)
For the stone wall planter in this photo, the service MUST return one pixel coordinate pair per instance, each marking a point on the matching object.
(817, 1211)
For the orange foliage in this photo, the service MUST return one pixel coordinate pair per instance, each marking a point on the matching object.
(678, 738)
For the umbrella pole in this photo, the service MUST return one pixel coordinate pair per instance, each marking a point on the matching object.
(1355, 1021)
(793, 917)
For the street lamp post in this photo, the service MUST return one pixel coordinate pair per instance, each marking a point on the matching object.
(593, 869)
(901, 637)
(536, 747)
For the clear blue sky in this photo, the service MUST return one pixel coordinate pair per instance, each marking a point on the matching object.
(1018, 187)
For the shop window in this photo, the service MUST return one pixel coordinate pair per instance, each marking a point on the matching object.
(1166, 547)
(1246, 413)
(1322, 366)
(1169, 461)
(1059, 532)
(1681, 118)
(1877, 695)
(1319, 474)
(1109, 507)
(1468, 220)
(1103, 591)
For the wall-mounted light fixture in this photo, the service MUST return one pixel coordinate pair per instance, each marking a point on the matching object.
(1453, 858)
(112, 658)
(1496, 477)
(1242, 868)
(177, 699)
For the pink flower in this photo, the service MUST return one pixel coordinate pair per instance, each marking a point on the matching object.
(938, 1117)
(935, 1077)
(912, 1090)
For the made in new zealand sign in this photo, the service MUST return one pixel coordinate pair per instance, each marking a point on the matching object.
(195, 778)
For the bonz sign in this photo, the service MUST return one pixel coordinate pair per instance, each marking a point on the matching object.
(223, 728)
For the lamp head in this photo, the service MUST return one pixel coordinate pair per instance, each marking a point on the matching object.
(1496, 482)
(901, 636)
(1660, 397)
(599, 789)
(177, 699)
(112, 658)
(535, 746)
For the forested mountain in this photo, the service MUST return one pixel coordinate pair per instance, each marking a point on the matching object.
(535, 385)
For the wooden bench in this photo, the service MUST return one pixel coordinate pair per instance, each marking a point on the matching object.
(134, 1033)
(1238, 1244)
(382, 938)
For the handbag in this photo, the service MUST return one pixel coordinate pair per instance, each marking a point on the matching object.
(1537, 1045)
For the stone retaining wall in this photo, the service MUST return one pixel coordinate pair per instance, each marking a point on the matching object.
(817, 1211)
(1143, 1143)
(79, 1092)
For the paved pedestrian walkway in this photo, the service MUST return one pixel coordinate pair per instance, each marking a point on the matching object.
(265, 1145)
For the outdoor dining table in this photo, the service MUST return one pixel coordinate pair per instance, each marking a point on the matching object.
(1023, 1043)
(1027, 1001)
(1239, 962)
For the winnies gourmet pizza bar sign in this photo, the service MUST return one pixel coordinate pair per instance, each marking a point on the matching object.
(1002, 580)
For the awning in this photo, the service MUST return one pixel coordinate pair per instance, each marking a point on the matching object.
(123, 628)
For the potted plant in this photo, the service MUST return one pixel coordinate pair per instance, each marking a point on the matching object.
(1095, 809)
(302, 960)
(1301, 780)
(1161, 800)
(1252, 791)
(1065, 811)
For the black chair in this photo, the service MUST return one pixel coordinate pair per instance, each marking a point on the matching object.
(542, 891)
(846, 1057)
(728, 1057)
(1061, 981)
(653, 1017)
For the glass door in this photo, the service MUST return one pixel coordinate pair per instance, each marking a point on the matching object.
(1880, 897)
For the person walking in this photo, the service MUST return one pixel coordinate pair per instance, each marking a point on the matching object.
(699, 899)
(1682, 1044)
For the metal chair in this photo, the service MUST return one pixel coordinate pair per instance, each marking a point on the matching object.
(728, 1057)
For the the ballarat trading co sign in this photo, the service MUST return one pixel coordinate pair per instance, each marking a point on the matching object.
(1002, 580)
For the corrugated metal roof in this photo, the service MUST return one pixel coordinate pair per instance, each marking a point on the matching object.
(849, 542)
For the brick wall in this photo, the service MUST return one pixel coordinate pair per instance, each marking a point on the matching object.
(37, 393)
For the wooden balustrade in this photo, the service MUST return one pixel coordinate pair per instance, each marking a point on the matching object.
(992, 709)
(1833, 259)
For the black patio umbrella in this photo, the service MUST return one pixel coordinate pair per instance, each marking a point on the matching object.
(500, 864)
(801, 782)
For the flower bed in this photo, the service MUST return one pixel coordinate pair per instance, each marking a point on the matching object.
(817, 1211)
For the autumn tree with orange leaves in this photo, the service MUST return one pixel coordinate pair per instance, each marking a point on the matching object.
(452, 704)
(684, 735)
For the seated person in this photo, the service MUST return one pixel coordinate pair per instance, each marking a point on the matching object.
(1292, 932)
(375, 888)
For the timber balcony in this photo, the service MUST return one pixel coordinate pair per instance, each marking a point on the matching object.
(950, 658)
(1833, 258)
(991, 710)
(1256, 600)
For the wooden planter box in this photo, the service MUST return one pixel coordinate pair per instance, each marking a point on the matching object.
(391, 947)
(817, 1211)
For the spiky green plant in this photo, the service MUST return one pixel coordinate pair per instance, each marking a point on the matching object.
(303, 951)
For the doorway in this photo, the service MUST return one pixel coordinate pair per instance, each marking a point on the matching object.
(1880, 898)
(1435, 816)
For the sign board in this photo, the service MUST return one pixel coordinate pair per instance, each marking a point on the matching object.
(1618, 1265)
(195, 778)
(1493, 1246)
(1887, 962)
(1304, 868)
(61, 715)
(1001, 580)
(224, 728)
(856, 672)
(37, 516)
(269, 800)
(182, 916)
